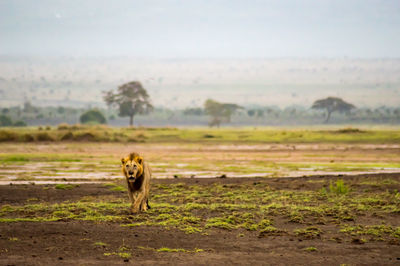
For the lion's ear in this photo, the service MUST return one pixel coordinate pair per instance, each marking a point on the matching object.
(140, 160)
(123, 160)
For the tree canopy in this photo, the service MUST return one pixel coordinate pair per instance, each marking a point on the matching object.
(131, 99)
(332, 104)
(93, 116)
(5, 121)
(219, 112)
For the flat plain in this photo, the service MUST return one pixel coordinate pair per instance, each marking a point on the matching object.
(216, 198)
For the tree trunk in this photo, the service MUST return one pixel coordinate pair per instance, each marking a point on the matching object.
(131, 120)
(327, 117)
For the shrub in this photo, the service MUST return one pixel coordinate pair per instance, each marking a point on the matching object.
(8, 135)
(350, 130)
(5, 121)
(19, 123)
(63, 126)
(339, 188)
(44, 137)
(93, 116)
(86, 136)
(29, 138)
(68, 136)
(76, 127)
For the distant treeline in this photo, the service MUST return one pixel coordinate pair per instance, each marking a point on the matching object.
(31, 115)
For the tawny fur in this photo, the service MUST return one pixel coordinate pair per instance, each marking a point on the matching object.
(137, 174)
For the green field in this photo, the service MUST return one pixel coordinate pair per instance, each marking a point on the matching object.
(206, 135)
(93, 153)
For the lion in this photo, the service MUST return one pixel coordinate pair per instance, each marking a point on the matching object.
(138, 174)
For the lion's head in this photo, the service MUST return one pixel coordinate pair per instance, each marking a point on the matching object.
(132, 166)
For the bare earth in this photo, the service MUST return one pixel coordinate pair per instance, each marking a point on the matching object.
(70, 242)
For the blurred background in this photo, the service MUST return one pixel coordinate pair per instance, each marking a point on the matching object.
(215, 63)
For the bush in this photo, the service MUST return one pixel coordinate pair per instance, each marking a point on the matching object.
(5, 121)
(19, 123)
(44, 137)
(76, 127)
(29, 138)
(339, 188)
(67, 136)
(86, 136)
(63, 126)
(93, 117)
(8, 136)
(349, 130)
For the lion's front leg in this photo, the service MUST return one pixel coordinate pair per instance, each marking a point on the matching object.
(134, 209)
(134, 200)
(140, 203)
(143, 205)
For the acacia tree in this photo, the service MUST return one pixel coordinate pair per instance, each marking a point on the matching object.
(131, 99)
(332, 104)
(219, 112)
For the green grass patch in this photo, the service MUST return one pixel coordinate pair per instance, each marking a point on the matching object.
(310, 249)
(115, 187)
(36, 157)
(209, 135)
(124, 255)
(254, 207)
(66, 186)
(165, 249)
(308, 233)
(339, 187)
(100, 244)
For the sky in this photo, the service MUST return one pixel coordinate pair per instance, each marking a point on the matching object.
(201, 28)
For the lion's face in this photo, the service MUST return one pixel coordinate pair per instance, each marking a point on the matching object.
(132, 167)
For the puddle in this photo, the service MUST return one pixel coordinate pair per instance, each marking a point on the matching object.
(32, 174)
(308, 173)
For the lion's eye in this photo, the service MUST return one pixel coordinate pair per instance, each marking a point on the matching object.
(127, 166)
(135, 166)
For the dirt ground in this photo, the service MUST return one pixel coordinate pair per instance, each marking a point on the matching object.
(70, 242)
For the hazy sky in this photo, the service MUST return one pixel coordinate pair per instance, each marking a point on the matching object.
(201, 28)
